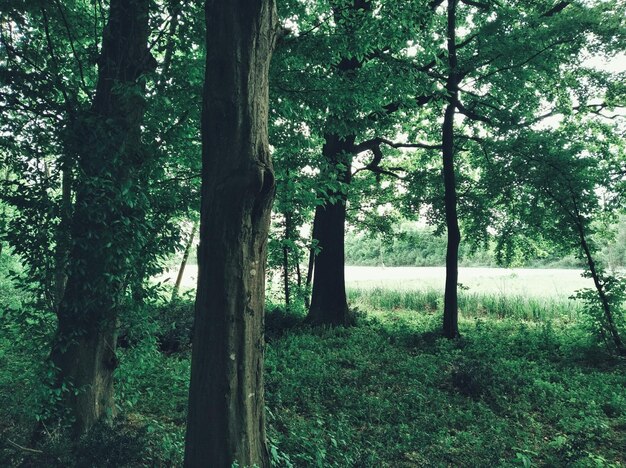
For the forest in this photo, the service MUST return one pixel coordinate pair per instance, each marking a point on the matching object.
(312, 233)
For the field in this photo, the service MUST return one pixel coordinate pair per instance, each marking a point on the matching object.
(539, 283)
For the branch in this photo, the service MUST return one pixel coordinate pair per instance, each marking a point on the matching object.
(471, 114)
(374, 165)
(376, 142)
(53, 55)
(479, 99)
(482, 6)
(21, 447)
(520, 64)
(444, 53)
(395, 106)
(555, 9)
(594, 108)
(71, 40)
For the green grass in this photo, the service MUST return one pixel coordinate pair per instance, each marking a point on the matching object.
(475, 305)
(519, 388)
(391, 392)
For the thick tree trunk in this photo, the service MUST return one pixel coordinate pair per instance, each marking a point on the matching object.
(226, 421)
(183, 262)
(451, 309)
(329, 305)
(106, 221)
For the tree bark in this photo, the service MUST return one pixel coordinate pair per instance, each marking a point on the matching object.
(226, 421)
(183, 262)
(286, 261)
(105, 221)
(451, 310)
(329, 305)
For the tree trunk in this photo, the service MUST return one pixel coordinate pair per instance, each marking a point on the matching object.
(286, 261)
(599, 285)
(106, 219)
(309, 272)
(63, 238)
(451, 309)
(226, 421)
(329, 305)
(183, 262)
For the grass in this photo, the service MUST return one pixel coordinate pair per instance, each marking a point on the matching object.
(390, 392)
(524, 386)
(476, 305)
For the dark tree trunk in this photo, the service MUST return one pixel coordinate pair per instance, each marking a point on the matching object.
(286, 260)
(451, 310)
(226, 421)
(329, 305)
(104, 224)
(183, 262)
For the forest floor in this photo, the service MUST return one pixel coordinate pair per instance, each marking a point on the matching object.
(526, 385)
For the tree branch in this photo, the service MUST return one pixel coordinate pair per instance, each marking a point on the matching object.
(482, 6)
(375, 143)
(555, 9)
(471, 114)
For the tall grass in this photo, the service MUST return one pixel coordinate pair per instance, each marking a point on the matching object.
(520, 307)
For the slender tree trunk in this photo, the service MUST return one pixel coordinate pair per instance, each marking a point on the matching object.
(174, 8)
(226, 421)
(451, 310)
(183, 262)
(104, 225)
(298, 273)
(599, 285)
(286, 260)
(63, 238)
(329, 305)
(309, 272)
(286, 276)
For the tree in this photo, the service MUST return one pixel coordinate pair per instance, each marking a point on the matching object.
(51, 58)
(450, 311)
(226, 420)
(349, 69)
(555, 178)
(494, 87)
(106, 221)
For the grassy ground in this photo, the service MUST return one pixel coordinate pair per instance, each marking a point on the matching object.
(525, 386)
(390, 392)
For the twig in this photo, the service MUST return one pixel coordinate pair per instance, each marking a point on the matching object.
(21, 447)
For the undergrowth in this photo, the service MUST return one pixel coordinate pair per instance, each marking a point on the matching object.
(517, 389)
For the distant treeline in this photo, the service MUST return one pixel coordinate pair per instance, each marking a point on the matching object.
(421, 247)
